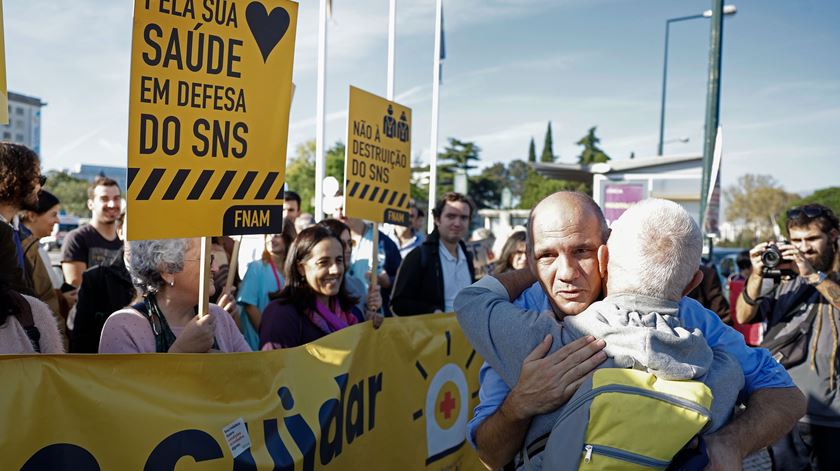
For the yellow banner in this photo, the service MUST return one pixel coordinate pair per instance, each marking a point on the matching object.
(210, 92)
(394, 398)
(4, 94)
(378, 164)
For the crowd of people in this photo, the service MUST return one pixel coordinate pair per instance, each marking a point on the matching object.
(565, 296)
(110, 295)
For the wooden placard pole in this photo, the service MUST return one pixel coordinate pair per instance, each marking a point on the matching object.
(233, 264)
(374, 257)
(205, 278)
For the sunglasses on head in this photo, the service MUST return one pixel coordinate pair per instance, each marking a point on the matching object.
(810, 211)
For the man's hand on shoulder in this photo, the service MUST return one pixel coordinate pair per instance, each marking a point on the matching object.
(547, 382)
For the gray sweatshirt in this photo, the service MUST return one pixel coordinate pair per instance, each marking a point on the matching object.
(640, 332)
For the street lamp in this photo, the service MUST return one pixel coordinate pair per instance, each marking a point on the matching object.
(727, 10)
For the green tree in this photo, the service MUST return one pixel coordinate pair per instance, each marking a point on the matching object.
(756, 201)
(537, 187)
(334, 162)
(456, 155)
(591, 154)
(71, 191)
(419, 187)
(486, 188)
(829, 197)
(532, 152)
(548, 147)
(517, 174)
(300, 174)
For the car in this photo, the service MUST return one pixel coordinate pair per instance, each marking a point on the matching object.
(723, 259)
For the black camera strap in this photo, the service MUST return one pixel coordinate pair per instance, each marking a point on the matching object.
(748, 299)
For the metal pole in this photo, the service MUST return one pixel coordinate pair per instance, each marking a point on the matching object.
(435, 113)
(664, 81)
(392, 41)
(712, 103)
(659, 149)
(320, 111)
(392, 26)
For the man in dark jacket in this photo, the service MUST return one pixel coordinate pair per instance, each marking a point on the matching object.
(433, 273)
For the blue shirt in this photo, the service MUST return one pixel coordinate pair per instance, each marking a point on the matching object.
(258, 283)
(760, 369)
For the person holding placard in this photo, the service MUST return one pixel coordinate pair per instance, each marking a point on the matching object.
(166, 321)
(359, 266)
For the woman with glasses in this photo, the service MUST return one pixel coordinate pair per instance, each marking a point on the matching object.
(263, 277)
(166, 320)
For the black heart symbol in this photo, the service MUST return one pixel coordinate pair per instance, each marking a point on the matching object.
(267, 29)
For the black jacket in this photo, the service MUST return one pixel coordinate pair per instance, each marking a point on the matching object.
(418, 288)
(104, 290)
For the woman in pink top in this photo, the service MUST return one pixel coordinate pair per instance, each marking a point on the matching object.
(167, 273)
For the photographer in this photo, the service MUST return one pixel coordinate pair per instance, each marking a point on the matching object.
(801, 312)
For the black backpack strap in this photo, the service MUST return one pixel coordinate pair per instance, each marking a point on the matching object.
(804, 295)
(164, 338)
(24, 316)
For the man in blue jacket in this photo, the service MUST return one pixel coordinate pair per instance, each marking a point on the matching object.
(566, 230)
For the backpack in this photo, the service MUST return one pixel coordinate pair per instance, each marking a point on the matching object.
(623, 418)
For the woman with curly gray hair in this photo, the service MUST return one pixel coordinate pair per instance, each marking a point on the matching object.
(167, 274)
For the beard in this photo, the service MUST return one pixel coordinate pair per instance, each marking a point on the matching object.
(824, 261)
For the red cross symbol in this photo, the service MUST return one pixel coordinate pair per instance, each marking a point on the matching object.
(447, 405)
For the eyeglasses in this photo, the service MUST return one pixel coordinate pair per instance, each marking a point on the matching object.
(212, 259)
(809, 210)
(42, 179)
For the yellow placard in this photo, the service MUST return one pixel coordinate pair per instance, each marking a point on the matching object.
(211, 86)
(394, 398)
(4, 94)
(377, 168)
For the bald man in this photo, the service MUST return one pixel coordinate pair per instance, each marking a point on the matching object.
(566, 231)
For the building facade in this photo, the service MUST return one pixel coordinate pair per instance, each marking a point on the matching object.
(24, 121)
(89, 173)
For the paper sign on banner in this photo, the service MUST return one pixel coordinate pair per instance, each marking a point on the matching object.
(378, 164)
(236, 436)
(211, 86)
(4, 94)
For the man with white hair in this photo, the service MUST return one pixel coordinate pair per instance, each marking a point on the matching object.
(651, 258)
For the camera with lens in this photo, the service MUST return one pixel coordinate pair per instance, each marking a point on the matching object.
(772, 258)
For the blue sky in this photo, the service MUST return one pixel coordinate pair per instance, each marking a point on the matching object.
(512, 66)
